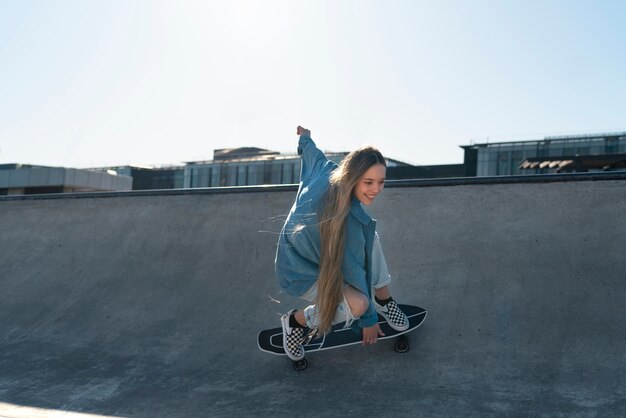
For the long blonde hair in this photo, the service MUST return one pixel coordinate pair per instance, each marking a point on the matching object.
(333, 216)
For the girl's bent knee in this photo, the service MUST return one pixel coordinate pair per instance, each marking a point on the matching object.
(356, 301)
(359, 306)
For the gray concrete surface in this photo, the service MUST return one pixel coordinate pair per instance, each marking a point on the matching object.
(149, 306)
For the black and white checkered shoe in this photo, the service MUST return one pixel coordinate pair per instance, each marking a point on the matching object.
(292, 338)
(394, 316)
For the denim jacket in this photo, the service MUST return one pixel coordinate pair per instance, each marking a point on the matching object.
(298, 253)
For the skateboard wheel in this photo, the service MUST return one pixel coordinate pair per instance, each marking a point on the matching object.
(402, 344)
(300, 365)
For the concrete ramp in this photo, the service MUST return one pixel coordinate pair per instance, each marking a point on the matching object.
(148, 305)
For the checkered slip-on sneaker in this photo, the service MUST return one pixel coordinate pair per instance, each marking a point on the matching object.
(394, 316)
(292, 338)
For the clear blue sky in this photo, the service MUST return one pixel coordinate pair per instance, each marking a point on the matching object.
(92, 83)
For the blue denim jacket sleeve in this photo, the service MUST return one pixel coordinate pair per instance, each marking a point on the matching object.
(369, 318)
(355, 274)
(313, 159)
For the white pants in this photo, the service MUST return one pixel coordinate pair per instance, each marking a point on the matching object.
(380, 278)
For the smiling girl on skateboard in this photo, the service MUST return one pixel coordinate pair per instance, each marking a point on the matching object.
(328, 250)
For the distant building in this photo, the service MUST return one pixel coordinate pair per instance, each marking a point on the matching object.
(425, 171)
(250, 166)
(558, 154)
(253, 166)
(34, 179)
(151, 178)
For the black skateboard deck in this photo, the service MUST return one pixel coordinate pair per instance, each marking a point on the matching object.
(271, 340)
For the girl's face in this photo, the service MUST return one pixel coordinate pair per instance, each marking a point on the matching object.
(370, 184)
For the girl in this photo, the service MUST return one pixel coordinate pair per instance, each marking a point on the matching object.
(328, 251)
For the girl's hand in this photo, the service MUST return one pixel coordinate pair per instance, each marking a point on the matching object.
(371, 334)
(303, 131)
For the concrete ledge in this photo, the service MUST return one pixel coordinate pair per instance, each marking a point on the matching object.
(457, 181)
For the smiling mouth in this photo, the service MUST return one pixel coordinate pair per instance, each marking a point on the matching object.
(370, 197)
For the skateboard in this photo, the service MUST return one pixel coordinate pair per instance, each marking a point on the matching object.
(271, 340)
